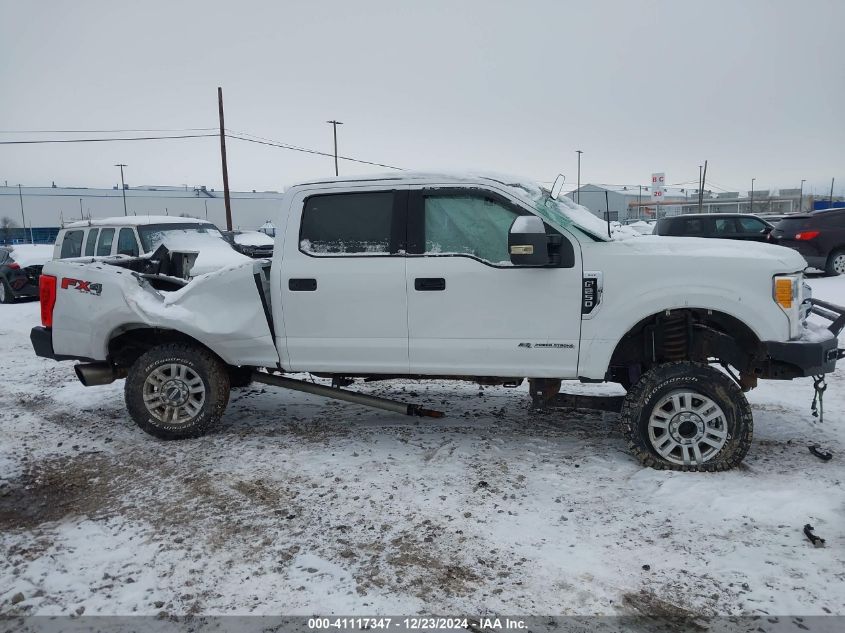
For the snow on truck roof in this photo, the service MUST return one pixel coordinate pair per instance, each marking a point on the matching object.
(135, 220)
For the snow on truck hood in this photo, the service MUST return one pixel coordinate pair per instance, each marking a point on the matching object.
(26, 255)
(786, 258)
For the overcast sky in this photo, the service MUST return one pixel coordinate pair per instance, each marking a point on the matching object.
(755, 87)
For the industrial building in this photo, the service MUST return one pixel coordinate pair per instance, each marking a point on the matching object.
(635, 202)
(42, 210)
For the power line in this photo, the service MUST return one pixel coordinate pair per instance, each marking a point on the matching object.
(313, 151)
(103, 140)
(184, 129)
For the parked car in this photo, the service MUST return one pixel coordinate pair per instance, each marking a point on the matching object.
(20, 268)
(134, 236)
(468, 278)
(730, 226)
(255, 244)
(819, 236)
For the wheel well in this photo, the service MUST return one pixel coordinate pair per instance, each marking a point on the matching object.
(128, 346)
(683, 334)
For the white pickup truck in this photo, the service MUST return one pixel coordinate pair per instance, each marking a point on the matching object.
(468, 278)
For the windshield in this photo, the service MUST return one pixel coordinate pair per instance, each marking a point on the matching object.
(154, 234)
(563, 213)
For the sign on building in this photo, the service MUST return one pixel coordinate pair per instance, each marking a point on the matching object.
(658, 181)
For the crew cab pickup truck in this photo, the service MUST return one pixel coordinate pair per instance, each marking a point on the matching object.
(470, 278)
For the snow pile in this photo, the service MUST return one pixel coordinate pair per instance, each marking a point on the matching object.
(32, 254)
(815, 333)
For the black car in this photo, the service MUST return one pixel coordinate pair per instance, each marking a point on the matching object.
(819, 236)
(729, 226)
(19, 271)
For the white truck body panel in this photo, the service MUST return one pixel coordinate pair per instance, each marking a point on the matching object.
(221, 310)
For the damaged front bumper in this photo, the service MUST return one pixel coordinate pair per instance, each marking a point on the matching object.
(791, 359)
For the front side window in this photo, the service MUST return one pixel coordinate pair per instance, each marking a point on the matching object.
(347, 224)
(91, 242)
(105, 242)
(126, 243)
(468, 225)
(72, 244)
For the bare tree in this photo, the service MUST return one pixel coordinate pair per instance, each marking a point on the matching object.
(6, 226)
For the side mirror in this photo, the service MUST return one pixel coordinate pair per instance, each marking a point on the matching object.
(557, 187)
(528, 243)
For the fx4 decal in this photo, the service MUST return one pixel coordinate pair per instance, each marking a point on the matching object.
(82, 286)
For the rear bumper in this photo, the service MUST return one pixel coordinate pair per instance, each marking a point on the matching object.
(42, 342)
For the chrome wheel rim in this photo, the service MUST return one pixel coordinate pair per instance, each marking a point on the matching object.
(687, 428)
(174, 394)
(839, 264)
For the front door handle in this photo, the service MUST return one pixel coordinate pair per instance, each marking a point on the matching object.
(429, 283)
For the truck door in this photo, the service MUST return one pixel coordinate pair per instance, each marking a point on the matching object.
(342, 278)
(470, 311)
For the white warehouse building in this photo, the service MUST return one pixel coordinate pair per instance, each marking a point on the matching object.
(46, 208)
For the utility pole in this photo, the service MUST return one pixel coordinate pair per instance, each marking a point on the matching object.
(223, 159)
(703, 181)
(23, 217)
(801, 197)
(700, 186)
(831, 192)
(122, 186)
(334, 126)
(578, 190)
(640, 202)
(751, 205)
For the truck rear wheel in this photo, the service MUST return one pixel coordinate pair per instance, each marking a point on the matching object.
(687, 416)
(836, 263)
(177, 391)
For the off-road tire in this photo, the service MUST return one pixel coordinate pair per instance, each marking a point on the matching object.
(6, 296)
(239, 376)
(643, 397)
(833, 261)
(202, 363)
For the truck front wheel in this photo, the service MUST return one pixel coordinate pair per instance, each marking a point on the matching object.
(687, 416)
(177, 391)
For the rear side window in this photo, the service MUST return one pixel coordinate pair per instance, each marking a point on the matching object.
(693, 226)
(91, 242)
(347, 224)
(105, 242)
(72, 244)
(724, 226)
(126, 243)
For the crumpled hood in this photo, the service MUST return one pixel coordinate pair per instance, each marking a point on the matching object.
(736, 251)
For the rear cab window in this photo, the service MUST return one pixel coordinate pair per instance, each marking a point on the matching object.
(126, 243)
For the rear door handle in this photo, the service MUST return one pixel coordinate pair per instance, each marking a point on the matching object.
(302, 285)
(429, 283)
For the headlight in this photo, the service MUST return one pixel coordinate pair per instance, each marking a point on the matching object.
(786, 290)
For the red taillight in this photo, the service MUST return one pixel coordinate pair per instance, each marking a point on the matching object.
(47, 294)
(807, 235)
(14, 266)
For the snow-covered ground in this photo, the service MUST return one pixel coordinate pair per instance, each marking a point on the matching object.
(301, 505)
